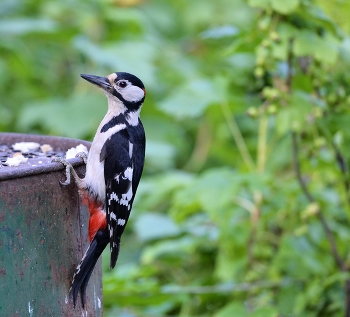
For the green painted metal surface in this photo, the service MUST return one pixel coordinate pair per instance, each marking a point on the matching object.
(43, 235)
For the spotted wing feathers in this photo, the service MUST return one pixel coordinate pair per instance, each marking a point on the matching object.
(119, 190)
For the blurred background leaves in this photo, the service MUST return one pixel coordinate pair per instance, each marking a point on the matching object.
(244, 205)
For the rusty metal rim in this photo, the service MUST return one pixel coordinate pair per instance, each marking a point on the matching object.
(26, 171)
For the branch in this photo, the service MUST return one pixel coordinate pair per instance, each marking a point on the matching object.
(311, 199)
(289, 79)
(227, 287)
(344, 170)
(343, 166)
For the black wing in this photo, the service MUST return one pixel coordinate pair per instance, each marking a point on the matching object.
(118, 172)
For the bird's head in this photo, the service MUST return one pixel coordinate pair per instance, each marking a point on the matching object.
(122, 89)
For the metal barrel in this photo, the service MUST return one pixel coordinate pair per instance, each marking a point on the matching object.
(43, 236)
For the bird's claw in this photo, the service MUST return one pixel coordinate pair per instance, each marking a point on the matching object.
(68, 166)
(83, 156)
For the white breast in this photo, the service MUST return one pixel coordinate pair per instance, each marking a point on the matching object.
(94, 178)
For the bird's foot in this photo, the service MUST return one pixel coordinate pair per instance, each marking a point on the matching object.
(83, 156)
(69, 170)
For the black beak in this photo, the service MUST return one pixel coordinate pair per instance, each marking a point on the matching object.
(99, 81)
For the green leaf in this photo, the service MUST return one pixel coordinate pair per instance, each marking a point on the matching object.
(158, 162)
(265, 312)
(324, 49)
(285, 6)
(328, 49)
(305, 43)
(296, 114)
(150, 226)
(220, 32)
(239, 309)
(124, 56)
(281, 6)
(23, 26)
(262, 4)
(64, 116)
(233, 309)
(207, 192)
(191, 100)
(153, 191)
(169, 249)
(243, 64)
(344, 49)
(297, 257)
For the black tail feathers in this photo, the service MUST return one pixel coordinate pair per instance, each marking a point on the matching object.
(86, 266)
(115, 246)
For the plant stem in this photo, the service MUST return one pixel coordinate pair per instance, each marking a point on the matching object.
(254, 210)
(262, 141)
(201, 149)
(237, 136)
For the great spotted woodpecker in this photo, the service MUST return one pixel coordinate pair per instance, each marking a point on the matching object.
(113, 170)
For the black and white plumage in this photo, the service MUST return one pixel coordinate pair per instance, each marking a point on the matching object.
(122, 174)
(121, 154)
(113, 171)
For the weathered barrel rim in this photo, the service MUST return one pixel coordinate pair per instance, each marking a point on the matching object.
(59, 143)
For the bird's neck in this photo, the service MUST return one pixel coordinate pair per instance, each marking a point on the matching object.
(115, 106)
(132, 117)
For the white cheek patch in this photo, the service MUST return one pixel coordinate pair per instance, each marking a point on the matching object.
(132, 93)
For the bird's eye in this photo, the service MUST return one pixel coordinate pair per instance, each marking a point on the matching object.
(122, 84)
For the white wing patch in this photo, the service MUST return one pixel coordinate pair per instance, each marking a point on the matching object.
(128, 174)
(113, 196)
(121, 222)
(131, 146)
(113, 216)
(125, 200)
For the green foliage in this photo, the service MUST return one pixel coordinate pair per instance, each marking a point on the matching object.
(244, 206)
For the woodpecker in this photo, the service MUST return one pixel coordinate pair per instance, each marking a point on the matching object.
(113, 170)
